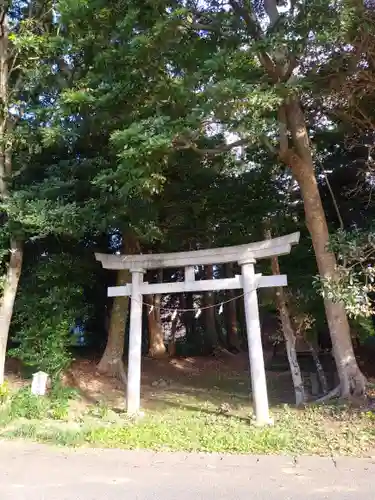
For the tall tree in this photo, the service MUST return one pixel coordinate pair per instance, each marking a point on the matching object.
(26, 34)
(16, 250)
(288, 332)
(247, 68)
(111, 362)
(152, 78)
(79, 182)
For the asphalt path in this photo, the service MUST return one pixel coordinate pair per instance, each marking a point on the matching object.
(37, 472)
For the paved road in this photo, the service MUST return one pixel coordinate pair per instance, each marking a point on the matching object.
(35, 472)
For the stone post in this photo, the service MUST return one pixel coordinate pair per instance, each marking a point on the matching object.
(257, 369)
(133, 395)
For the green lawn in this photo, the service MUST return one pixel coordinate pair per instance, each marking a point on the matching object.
(191, 422)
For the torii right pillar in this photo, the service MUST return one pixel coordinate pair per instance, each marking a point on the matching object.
(254, 339)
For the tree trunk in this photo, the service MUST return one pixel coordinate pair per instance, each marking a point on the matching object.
(112, 360)
(352, 381)
(212, 339)
(231, 315)
(6, 167)
(188, 316)
(156, 347)
(155, 330)
(172, 340)
(289, 334)
(8, 299)
(319, 368)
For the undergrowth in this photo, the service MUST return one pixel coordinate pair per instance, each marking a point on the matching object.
(184, 423)
(22, 404)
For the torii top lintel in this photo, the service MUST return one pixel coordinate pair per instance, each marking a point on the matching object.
(240, 253)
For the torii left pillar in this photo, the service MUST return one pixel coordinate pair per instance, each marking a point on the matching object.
(133, 393)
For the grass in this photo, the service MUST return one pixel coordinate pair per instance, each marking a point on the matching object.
(21, 404)
(188, 422)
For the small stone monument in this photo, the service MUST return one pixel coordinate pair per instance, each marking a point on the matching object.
(39, 383)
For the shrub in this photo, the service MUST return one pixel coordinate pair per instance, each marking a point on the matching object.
(4, 392)
(45, 347)
(50, 299)
(24, 404)
(55, 405)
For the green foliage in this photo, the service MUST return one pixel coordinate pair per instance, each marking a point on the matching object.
(197, 426)
(50, 301)
(44, 346)
(354, 247)
(355, 279)
(24, 404)
(60, 397)
(100, 410)
(121, 105)
(4, 392)
(364, 327)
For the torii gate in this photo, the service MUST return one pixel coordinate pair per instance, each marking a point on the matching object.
(246, 256)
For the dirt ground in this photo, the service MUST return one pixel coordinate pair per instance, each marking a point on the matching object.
(217, 378)
(161, 377)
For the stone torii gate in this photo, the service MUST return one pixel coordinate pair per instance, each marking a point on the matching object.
(245, 256)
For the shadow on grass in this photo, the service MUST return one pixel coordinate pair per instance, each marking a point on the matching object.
(214, 392)
(194, 408)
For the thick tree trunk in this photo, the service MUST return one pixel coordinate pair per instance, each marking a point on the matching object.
(6, 168)
(188, 316)
(112, 360)
(231, 315)
(172, 340)
(289, 335)
(233, 328)
(212, 339)
(157, 347)
(8, 299)
(352, 381)
(183, 316)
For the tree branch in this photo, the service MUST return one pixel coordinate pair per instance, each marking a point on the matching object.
(293, 61)
(334, 201)
(332, 394)
(255, 32)
(253, 28)
(223, 148)
(3, 13)
(272, 11)
(204, 27)
(283, 130)
(181, 144)
(13, 66)
(269, 146)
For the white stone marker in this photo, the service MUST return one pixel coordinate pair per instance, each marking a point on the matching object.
(39, 383)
